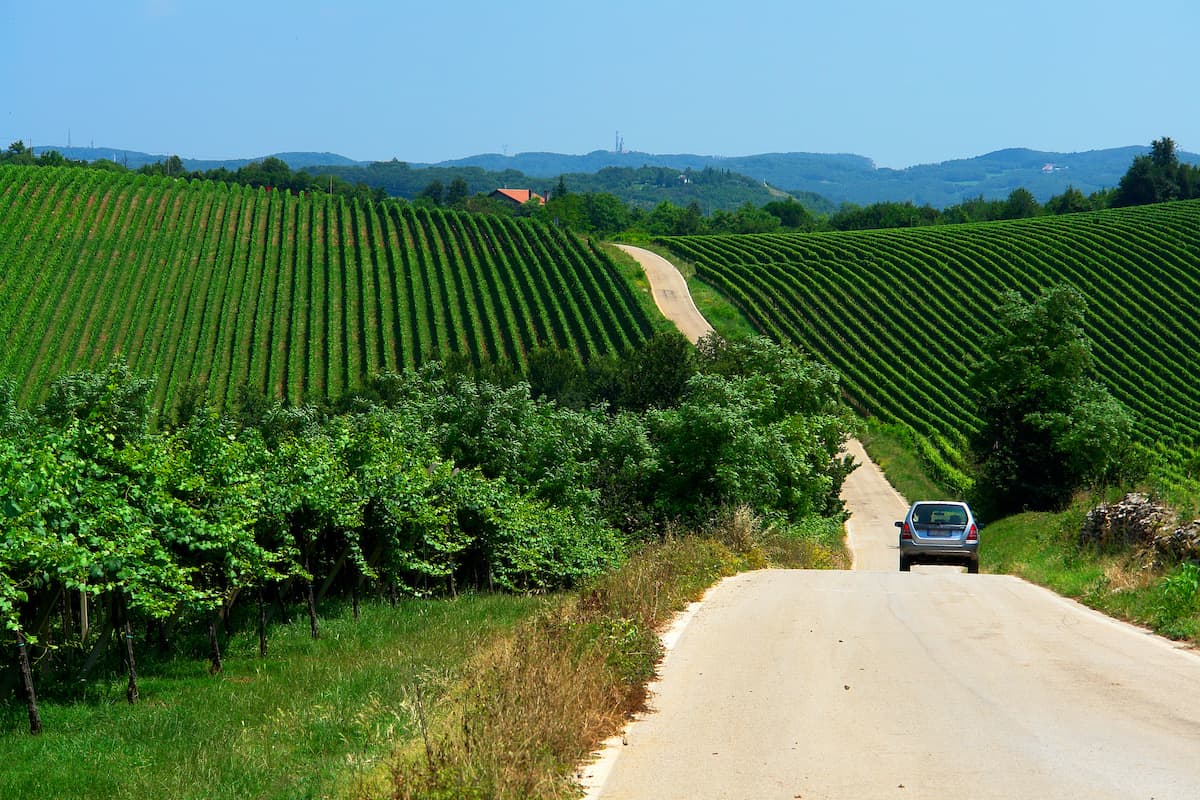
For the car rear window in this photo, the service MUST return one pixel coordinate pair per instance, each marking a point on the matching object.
(939, 514)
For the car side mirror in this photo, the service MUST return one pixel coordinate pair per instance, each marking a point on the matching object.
(899, 523)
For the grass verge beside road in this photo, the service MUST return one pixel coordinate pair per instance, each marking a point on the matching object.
(534, 706)
(896, 457)
(720, 313)
(712, 305)
(293, 724)
(633, 273)
(1043, 548)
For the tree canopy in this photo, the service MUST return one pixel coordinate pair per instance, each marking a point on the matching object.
(1048, 427)
(1158, 177)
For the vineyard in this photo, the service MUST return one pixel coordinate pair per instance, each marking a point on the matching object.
(302, 297)
(901, 313)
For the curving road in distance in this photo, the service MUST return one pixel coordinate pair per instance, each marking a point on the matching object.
(670, 292)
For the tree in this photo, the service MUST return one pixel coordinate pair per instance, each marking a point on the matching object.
(270, 171)
(747, 219)
(1047, 427)
(605, 213)
(1069, 202)
(555, 374)
(882, 215)
(1162, 153)
(668, 219)
(1157, 177)
(1021, 204)
(567, 212)
(434, 193)
(173, 168)
(791, 214)
(17, 153)
(52, 158)
(758, 424)
(975, 209)
(656, 374)
(457, 192)
(1140, 185)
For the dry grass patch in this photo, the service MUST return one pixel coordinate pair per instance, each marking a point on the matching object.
(536, 704)
(1129, 576)
(533, 705)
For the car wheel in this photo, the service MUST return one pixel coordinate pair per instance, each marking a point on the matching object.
(905, 564)
(973, 567)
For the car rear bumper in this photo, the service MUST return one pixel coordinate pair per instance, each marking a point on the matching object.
(939, 554)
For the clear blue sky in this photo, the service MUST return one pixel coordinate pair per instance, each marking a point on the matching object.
(899, 82)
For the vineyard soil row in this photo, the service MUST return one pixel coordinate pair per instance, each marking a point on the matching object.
(303, 298)
(902, 313)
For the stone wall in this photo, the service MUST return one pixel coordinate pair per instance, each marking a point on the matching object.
(1141, 524)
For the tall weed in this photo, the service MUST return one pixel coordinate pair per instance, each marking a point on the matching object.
(536, 704)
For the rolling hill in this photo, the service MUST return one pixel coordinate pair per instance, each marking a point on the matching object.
(901, 313)
(302, 297)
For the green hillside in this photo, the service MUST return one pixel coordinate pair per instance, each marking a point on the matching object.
(304, 297)
(902, 312)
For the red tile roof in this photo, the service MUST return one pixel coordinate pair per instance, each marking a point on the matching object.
(521, 196)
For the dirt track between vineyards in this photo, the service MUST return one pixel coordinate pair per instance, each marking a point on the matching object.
(873, 683)
(670, 292)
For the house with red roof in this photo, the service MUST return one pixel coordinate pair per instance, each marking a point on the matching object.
(518, 196)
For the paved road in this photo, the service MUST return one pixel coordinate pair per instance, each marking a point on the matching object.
(871, 529)
(670, 292)
(931, 684)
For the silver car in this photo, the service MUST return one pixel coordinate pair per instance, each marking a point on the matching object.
(939, 532)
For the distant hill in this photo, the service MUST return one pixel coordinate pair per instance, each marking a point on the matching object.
(777, 169)
(136, 158)
(837, 177)
(856, 179)
(993, 175)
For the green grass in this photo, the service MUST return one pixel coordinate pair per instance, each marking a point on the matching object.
(892, 449)
(299, 723)
(720, 313)
(1043, 549)
(712, 305)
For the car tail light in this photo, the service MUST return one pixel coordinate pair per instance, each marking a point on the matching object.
(906, 533)
(972, 533)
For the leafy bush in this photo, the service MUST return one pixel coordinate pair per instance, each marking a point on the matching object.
(431, 482)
